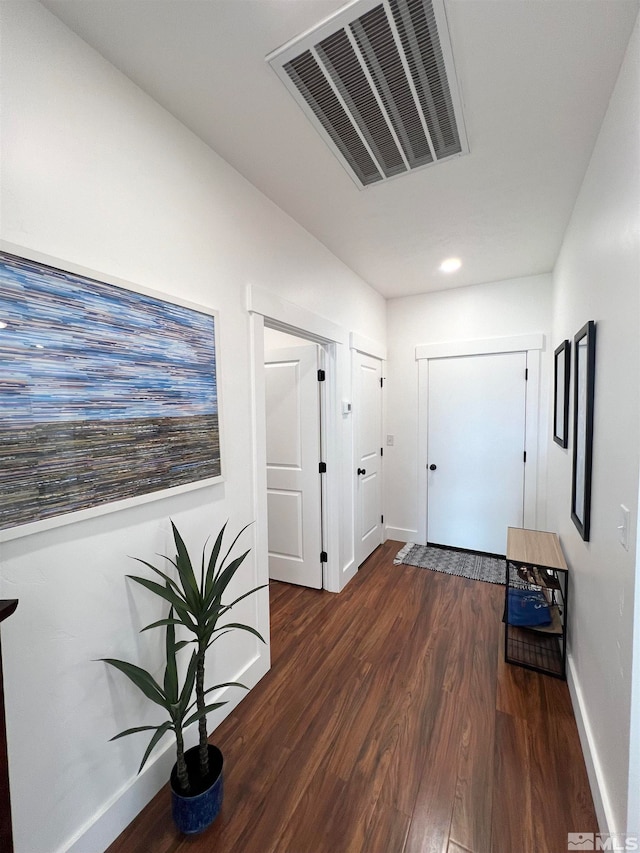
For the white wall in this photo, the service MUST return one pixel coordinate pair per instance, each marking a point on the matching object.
(273, 339)
(597, 277)
(95, 173)
(498, 309)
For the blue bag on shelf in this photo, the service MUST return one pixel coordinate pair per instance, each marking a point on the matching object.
(528, 608)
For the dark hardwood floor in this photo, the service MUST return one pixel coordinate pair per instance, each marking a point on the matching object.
(390, 724)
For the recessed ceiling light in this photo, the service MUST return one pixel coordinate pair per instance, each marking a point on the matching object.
(39, 346)
(3, 325)
(450, 265)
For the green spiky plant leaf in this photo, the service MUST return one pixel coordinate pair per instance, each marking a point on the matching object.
(197, 605)
(171, 696)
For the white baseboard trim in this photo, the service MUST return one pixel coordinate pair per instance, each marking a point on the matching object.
(597, 781)
(401, 534)
(106, 825)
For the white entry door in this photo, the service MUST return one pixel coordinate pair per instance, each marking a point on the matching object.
(367, 410)
(476, 440)
(293, 457)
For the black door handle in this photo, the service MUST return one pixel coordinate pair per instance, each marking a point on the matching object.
(432, 467)
(361, 471)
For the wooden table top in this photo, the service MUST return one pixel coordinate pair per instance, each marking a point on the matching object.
(535, 548)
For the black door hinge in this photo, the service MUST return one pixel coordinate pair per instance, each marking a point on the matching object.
(322, 467)
(382, 519)
(526, 374)
(321, 375)
(381, 382)
(323, 556)
(525, 455)
(382, 451)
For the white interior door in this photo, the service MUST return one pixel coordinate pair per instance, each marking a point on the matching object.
(367, 412)
(293, 456)
(476, 440)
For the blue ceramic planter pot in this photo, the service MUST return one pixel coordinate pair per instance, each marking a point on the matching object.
(194, 813)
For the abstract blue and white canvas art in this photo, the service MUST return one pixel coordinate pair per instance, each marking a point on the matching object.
(105, 393)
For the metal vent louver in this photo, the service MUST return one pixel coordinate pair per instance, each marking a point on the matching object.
(378, 82)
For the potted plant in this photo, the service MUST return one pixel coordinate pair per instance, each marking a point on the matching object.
(170, 696)
(196, 605)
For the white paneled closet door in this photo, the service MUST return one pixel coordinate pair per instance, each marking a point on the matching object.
(367, 411)
(293, 456)
(476, 441)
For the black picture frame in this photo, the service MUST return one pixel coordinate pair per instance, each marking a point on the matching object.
(561, 383)
(584, 367)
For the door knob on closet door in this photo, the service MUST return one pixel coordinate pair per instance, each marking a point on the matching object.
(432, 467)
(361, 471)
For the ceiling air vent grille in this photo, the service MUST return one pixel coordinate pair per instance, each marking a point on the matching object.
(378, 81)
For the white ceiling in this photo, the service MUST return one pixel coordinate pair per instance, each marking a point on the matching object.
(535, 77)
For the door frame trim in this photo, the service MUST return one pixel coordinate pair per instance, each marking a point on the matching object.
(285, 316)
(367, 346)
(532, 345)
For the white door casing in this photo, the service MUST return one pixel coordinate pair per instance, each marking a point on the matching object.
(368, 443)
(268, 309)
(535, 438)
(293, 456)
(476, 439)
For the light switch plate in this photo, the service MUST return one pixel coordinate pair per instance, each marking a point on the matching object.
(623, 527)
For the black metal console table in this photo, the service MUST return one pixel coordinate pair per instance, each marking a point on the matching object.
(535, 563)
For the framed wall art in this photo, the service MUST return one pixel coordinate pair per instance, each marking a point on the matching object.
(584, 359)
(561, 382)
(108, 395)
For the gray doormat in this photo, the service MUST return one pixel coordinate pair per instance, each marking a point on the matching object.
(476, 567)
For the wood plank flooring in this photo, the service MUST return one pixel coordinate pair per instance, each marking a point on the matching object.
(390, 724)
